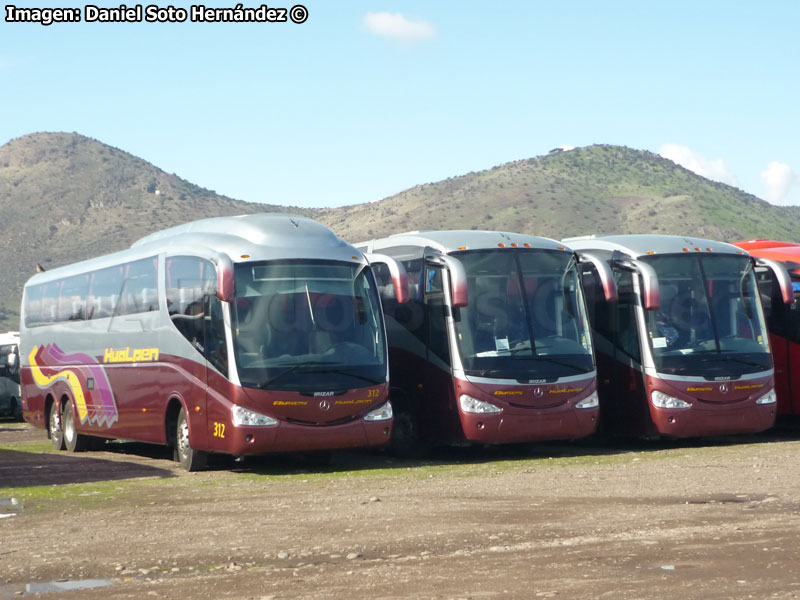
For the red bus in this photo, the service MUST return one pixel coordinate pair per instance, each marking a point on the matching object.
(684, 352)
(494, 346)
(238, 335)
(783, 320)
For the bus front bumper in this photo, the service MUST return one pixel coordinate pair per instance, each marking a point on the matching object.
(529, 425)
(291, 437)
(699, 421)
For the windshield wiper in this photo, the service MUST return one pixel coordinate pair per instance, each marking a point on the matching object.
(272, 380)
(331, 367)
(731, 358)
(555, 361)
(291, 369)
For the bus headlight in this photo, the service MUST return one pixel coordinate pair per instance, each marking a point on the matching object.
(661, 400)
(769, 398)
(242, 416)
(382, 413)
(591, 401)
(473, 405)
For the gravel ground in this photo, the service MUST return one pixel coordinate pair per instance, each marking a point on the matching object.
(703, 519)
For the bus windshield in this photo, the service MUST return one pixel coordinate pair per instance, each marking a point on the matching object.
(526, 317)
(710, 321)
(307, 326)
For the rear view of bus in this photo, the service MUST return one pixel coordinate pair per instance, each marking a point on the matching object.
(783, 320)
(239, 335)
(684, 351)
(494, 345)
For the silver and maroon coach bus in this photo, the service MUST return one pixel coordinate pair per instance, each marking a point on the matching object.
(494, 345)
(684, 352)
(239, 335)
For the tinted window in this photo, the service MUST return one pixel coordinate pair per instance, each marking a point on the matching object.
(189, 279)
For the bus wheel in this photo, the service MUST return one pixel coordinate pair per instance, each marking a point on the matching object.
(406, 441)
(16, 409)
(54, 427)
(73, 441)
(189, 458)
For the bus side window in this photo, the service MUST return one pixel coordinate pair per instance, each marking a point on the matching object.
(383, 280)
(104, 291)
(50, 301)
(782, 319)
(72, 298)
(601, 312)
(139, 291)
(216, 349)
(627, 325)
(189, 283)
(33, 305)
(435, 310)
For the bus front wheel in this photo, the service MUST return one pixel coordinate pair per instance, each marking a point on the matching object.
(74, 441)
(189, 458)
(406, 440)
(54, 427)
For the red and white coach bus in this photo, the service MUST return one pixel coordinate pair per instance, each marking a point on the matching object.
(783, 320)
(238, 335)
(494, 346)
(684, 352)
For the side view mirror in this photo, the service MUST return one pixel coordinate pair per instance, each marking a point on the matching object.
(652, 296)
(225, 280)
(458, 280)
(781, 276)
(605, 273)
(398, 273)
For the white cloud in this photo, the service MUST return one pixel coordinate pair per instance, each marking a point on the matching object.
(397, 27)
(710, 168)
(778, 178)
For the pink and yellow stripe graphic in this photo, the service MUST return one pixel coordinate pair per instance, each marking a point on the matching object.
(95, 403)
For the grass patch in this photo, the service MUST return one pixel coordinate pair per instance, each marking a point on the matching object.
(6, 424)
(80, 494)
(472, 463)
(38, 447)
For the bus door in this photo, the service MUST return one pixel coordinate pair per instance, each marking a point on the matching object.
(439, 395)
(630, 406)
(196, 313)
(617, 345)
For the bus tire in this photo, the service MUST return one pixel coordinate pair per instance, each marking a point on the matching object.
(74, 441)
(54, 427)
(189, 458)
(406, 441)
(16, 409)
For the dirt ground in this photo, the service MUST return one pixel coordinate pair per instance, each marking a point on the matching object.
(704, 519)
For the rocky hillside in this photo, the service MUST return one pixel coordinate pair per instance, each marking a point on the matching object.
(65, 197)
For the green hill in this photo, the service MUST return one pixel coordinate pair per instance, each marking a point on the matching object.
(596, 189)
(65, 197)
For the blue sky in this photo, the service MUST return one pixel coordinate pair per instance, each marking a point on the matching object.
(366, 99)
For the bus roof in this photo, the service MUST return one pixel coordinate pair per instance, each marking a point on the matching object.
(244, 238)
(455, 240)
(637, 245)
(784, 252)
(9, 337)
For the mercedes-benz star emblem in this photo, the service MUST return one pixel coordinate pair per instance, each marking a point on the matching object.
(325, 404)
(537, 391)
(723, 388)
